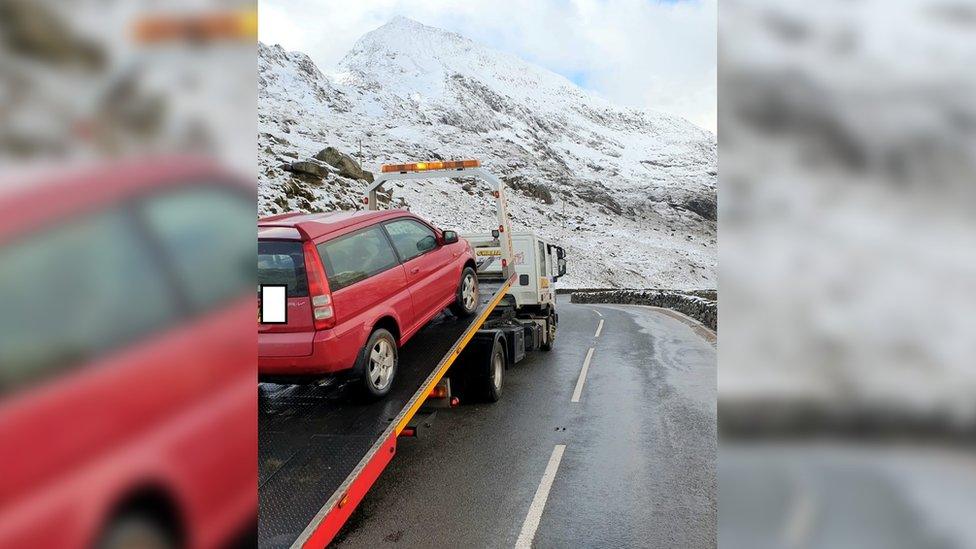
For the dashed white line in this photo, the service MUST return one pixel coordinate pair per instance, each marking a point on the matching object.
(582, 377)
(800, 520)
(598, 313)
(531, 523)
(599, 329)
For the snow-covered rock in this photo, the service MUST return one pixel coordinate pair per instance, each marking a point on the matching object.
(630, 193)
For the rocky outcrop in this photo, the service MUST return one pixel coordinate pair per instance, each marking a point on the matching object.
(538, 191)
(306, 168)
(704, 206)
(347, 166)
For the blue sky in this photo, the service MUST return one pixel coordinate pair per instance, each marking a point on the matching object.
(656, 54)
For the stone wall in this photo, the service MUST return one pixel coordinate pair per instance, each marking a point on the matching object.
(698, 304)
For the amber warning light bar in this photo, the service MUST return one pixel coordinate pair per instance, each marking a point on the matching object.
(428, 166)
(197, 27)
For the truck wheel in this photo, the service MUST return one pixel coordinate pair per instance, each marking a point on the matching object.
(550, 332)
(379, 364)
(466, 301)
(135, 531)
(495, 373)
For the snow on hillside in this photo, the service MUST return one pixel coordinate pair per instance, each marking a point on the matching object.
(630, 193)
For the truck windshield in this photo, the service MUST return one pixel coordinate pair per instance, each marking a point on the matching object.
(283, 262)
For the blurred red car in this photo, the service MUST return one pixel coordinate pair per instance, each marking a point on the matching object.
(359, 284)
(127, 358)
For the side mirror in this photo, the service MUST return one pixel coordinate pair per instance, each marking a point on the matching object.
(450, 237)
(495, 233)
(561, 253)
(561, 262)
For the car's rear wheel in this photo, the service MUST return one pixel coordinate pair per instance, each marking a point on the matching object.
(379, 364)
(466, 301)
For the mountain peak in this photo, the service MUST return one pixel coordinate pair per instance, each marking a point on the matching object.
(403, 22)
(407, 36)
(408, 57)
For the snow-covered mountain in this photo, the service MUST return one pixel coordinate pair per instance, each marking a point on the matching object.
(630, 193)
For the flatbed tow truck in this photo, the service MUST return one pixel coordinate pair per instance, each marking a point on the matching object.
(321, 449)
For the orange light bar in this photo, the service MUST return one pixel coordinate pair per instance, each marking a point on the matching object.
(197, 27)
(439, 391)
(428, 166)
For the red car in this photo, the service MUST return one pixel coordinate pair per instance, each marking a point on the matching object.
(359, 285)
(127, 357)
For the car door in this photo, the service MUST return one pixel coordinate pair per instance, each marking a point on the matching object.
(427, 265)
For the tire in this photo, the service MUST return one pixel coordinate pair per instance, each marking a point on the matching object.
(466, 301)
(135, 531)
(551, 337)
(379, 364)
(494, 374)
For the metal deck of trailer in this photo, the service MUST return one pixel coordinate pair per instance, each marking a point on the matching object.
(321, 448)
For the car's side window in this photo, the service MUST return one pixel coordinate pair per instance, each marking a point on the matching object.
(356, 257)
(207, 235)
(73, 293)
(411, 238)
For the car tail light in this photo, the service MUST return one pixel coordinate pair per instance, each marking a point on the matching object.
(323, 315)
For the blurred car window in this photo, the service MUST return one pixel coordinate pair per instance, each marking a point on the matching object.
(356, 257)
(208, 235)
(411, 238)
(74, 292)
(283, 262)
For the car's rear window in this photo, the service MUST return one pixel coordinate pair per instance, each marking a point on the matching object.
(283, 262)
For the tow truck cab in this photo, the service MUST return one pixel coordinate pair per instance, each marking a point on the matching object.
(538, 265)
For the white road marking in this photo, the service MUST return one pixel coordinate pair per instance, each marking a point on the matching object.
(796, 532)
(531, 523)
(599, 329)
(598, 312)
(582, 377)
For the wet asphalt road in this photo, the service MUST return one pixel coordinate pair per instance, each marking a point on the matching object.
(638, 469)
(826, 494)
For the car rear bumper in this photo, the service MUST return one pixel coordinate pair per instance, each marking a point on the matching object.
(329, 355)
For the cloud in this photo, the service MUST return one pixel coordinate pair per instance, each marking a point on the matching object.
(654, 54)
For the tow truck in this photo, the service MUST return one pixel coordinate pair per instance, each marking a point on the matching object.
(321, 450)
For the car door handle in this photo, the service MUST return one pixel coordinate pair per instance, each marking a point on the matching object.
(415, 270)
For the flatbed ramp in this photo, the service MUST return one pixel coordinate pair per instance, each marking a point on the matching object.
(321, 449)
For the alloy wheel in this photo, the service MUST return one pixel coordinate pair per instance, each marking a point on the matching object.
(469, 292)
(381, 363)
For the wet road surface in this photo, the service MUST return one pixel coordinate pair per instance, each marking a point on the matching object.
(636, 466)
